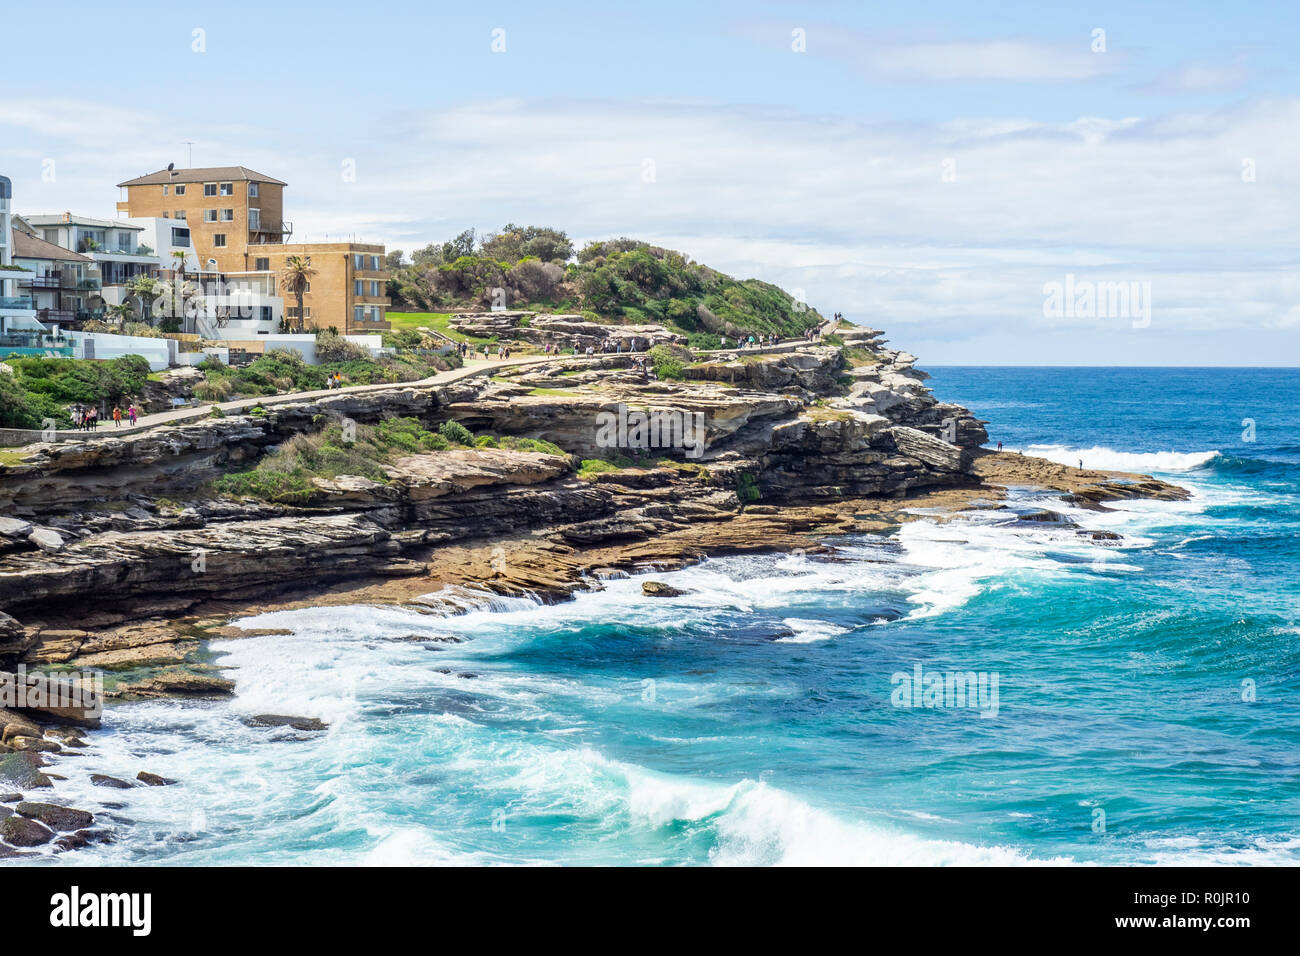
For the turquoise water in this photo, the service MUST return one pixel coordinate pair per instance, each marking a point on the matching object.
(751, 721)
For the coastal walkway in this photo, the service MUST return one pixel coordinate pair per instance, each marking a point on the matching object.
(14, 437)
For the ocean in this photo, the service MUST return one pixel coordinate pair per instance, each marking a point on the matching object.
(1136, 701)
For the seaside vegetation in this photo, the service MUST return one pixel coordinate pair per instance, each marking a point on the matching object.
(286, 475)
(283, 370)
(617, 280)
(37, 388)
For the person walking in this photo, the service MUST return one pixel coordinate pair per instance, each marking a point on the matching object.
(117, 416)
(131, 413)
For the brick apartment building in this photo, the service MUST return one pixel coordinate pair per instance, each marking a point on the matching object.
(236, 223)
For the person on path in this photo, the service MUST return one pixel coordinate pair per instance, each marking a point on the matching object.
(117, 417)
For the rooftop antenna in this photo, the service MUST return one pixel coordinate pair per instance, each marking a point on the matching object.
(189, 153)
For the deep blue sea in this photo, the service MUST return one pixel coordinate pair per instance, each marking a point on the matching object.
(1147, 707)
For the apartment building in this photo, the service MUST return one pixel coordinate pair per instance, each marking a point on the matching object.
(349, 290)
(113, 246)
(64, 285)
(21, 332)
(235, 218)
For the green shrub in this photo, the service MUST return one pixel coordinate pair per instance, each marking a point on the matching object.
(456, 433)
(668, 363)
(747, 488)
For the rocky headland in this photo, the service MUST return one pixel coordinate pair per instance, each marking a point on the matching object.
(120, 555)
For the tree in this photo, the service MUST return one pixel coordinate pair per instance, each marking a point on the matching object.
(146, 289)
(430, 255)
(462, 245)
(394, 260)
(295, 278)
(514, 242)
(122, 313)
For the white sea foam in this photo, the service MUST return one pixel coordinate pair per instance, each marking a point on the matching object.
(810, 631)
(1108, 459)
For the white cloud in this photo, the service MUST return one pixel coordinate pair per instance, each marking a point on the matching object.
(857, 215)
(1010, 59)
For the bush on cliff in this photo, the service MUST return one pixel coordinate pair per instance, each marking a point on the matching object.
(285, 475)
(669, 361)
(41, 388)
(621, 279)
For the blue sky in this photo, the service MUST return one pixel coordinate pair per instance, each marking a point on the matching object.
(925, 169)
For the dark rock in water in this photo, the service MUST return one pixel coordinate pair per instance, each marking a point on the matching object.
(82, 838)
(659, 589)
(104, 780)
(1104, 536)
(52, 815)
(5, 812)
(152, 779)
(20, 831)
(22, 770)
(467, 675)
(10, 797)
(1043, 516)
(279, 720)
(8, 853)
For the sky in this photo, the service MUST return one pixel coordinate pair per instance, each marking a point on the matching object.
(948, 172)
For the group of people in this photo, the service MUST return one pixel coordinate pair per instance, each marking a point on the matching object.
(85, 418)
(334, 380)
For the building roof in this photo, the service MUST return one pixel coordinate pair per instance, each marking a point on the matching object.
(202, 174)
(30, 247)
(68, 219)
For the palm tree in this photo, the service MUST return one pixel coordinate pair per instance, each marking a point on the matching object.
(296, 277)
(178, 256)
(121, 314)
(146, 289)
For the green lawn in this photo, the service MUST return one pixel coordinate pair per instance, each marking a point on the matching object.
(437, 321)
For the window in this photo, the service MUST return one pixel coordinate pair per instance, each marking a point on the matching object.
(209, 215)
(51, 235)
(358, 287)
(123, 242)
(166, 189)
(359, 314)
(262, 265)
(252, 191)
(227, 189)
(374, 263)
(180, 237)
(357, 261)
(254, 220)
(180, 190)
(179, 214)
(377, 314)
(209, 189)
(227, 215)
(374, 287)
(165, 216)
(219, 240)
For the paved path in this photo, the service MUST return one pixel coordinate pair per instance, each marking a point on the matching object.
(12, 437)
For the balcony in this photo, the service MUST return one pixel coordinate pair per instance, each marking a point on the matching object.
(65, 316)
(17, 303)
(270, 232)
